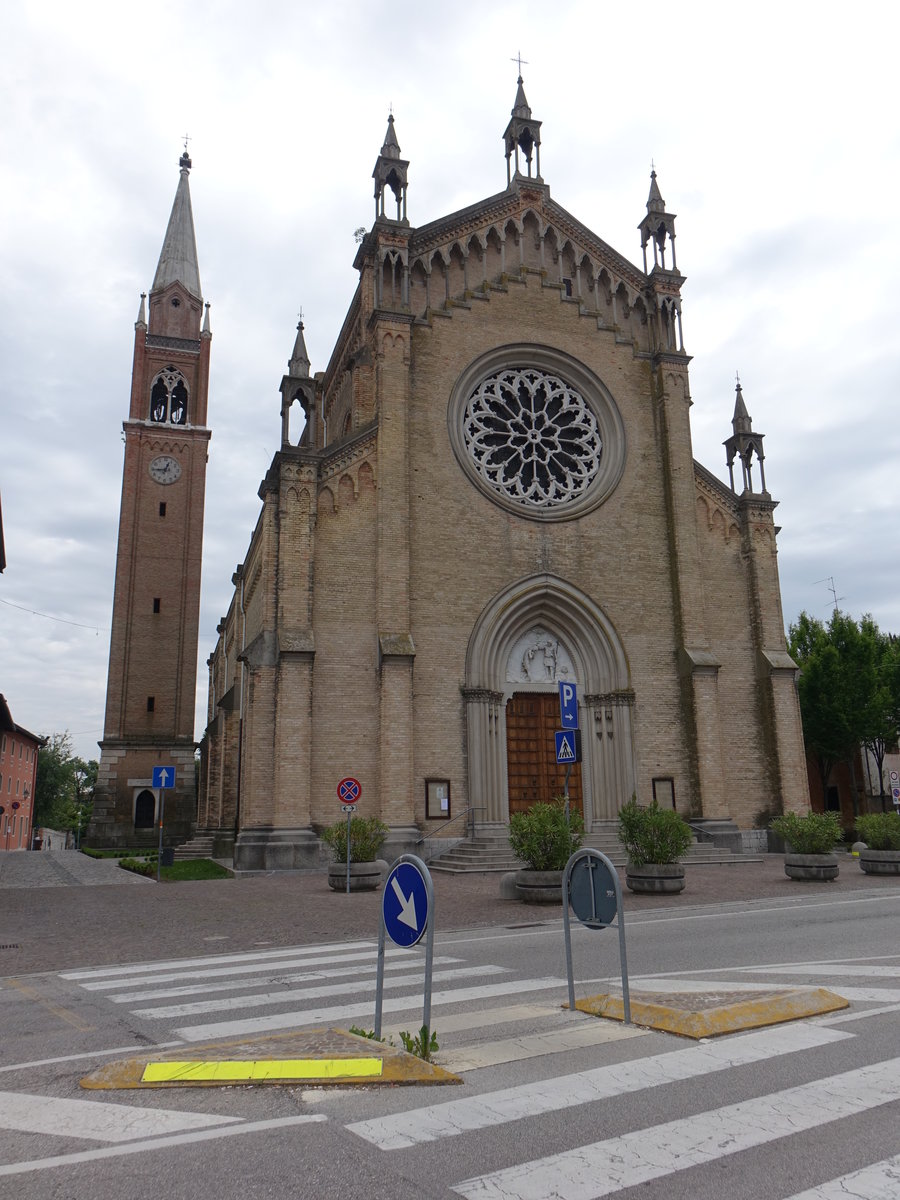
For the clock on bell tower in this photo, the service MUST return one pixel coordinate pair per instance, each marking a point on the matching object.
(156, 607)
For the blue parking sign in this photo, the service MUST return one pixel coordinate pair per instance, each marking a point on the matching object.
(568, 705)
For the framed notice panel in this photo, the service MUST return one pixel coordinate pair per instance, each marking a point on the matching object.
(664, 791)
(437, 799)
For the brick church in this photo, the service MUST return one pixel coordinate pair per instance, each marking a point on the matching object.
(488, 489)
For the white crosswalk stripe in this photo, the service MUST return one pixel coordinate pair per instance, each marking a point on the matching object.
(610, 1166)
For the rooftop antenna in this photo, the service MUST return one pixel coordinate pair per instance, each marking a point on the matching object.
(829, 579)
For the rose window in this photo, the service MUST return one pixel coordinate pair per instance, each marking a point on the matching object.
(532, 437)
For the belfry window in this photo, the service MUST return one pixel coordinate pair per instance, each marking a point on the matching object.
(169, 398)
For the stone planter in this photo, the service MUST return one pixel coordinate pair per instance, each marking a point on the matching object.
(364, 876)
(880, 862)
(539, 887)
(811, 866)
(655, 877)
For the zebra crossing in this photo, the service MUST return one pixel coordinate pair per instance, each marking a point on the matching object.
(490, 1015)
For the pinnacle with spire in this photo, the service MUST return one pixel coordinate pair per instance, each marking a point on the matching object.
(746, 446)
(298, 366)
(390, 174)
(740, 422)
(658, 229)
(178, 257)
(522, 135)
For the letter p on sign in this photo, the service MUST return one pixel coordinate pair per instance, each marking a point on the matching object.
(568, 706)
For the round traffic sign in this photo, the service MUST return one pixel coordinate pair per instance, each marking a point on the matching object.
(349, 790)
(404, 904)
(592, 893)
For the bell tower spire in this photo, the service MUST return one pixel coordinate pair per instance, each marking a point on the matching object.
(152, 677)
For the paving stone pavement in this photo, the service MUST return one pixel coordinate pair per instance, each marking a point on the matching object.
(49, 920)
(61, 868)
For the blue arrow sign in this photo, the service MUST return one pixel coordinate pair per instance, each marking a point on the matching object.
(404, 904)
(568, 705)
(163, 777)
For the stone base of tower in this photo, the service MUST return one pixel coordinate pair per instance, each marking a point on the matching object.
(127, 808)
(269, 849)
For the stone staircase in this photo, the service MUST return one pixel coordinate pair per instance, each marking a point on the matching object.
(492, 853)
(197, 847)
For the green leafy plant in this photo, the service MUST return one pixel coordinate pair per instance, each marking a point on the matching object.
(652, 835)
(423, 1045)
(367, 835)
(542, 838)
(366, 1033)
(880, 831)
(813, 833)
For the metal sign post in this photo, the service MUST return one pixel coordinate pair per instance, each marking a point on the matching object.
(407, 912)
(163, 777)
(349, 791)
(591, 885)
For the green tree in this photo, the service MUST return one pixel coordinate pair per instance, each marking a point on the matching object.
(63, 790)
(848, 689)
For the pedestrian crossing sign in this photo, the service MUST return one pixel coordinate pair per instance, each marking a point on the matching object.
(568, 745)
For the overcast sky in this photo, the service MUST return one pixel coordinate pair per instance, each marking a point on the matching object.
(774, 132)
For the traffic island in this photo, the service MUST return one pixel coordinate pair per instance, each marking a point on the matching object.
(710, 1014)
(312, 1058)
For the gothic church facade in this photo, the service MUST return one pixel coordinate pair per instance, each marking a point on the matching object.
(494, 491)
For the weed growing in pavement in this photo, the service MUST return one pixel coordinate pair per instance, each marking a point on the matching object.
(423, 1045)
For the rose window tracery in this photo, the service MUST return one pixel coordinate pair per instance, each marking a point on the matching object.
(532, 437)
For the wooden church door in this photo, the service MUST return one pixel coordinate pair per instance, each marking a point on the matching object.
(533, 773)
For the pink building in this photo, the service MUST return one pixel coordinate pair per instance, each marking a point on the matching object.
(18, 771)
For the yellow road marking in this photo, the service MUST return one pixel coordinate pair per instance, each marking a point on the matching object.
(237, 1070)
(63, 1015)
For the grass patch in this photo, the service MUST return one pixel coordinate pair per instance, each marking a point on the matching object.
(189, 869)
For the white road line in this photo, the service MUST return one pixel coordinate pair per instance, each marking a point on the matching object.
(838, 969)
(96, 1119)
(602, 1168)
(321, 1016)
(292, 995)
(212, 960)
(46, 1062)
(841, 1018)
(535, 1045)
(270, 976)
(468, 1021)
(454, 1117)
(154, 1144)
(270, 969)
(880, 1181)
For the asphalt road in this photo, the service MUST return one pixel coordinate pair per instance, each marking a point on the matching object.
(551, 1104)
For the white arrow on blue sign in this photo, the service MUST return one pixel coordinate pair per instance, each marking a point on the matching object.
(404, 904)
(163, 777)
(568, 705)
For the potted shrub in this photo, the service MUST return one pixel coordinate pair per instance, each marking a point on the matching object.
(544, 840)
(367, 836)
(809, 844)
(881, 834)
(654, 839)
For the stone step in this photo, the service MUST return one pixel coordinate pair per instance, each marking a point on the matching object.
(197, 847)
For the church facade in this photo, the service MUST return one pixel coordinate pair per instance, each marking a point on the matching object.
(494, 491)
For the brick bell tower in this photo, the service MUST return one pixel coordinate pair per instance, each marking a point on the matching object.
(156, 607)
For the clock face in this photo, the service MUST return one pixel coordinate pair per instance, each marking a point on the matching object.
(165, 469)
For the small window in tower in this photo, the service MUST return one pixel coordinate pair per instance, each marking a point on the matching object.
(156, 604)
(567, 284)
(151, 703)
(162, 508)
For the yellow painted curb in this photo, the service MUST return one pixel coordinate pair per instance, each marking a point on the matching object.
(313, 1057)
(762, 1008)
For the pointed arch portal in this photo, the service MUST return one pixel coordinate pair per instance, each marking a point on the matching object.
(533, 634)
